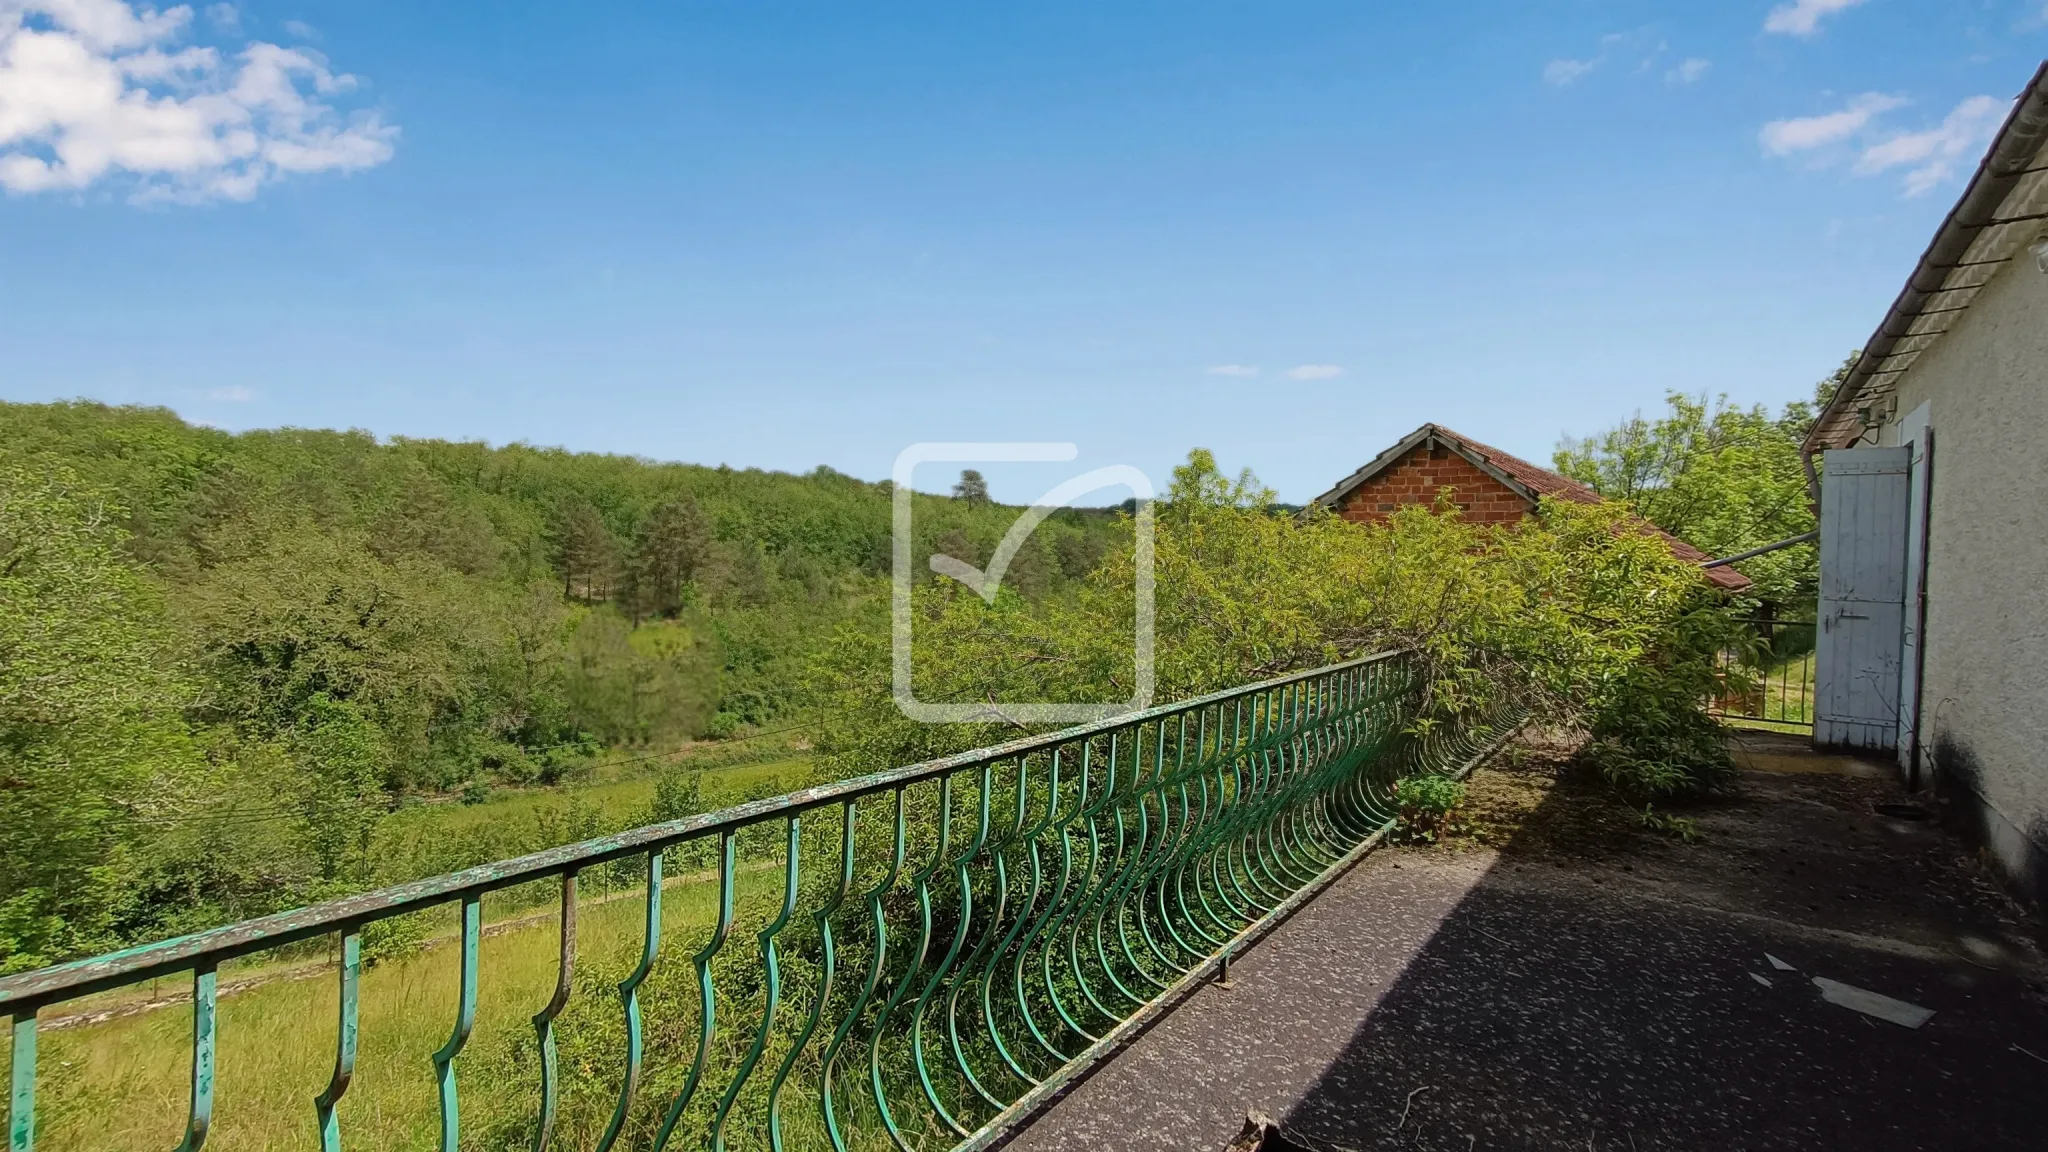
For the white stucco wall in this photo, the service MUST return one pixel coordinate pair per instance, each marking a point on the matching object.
(1985, 692)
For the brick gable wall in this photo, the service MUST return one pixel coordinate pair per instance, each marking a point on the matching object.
(1417, 477)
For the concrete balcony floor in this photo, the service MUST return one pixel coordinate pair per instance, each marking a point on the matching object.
(1589, 983)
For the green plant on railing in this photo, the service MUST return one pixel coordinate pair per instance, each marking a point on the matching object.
(1431, 807)
(904, 960)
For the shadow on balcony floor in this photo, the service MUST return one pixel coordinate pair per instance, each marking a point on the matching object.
(1591, 984)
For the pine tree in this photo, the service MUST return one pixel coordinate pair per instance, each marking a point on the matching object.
(672, 550)
(971, 488)
(587, 553)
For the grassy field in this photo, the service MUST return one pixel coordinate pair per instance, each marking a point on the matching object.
(122, 1081)
(616, 795)
(1781, 701)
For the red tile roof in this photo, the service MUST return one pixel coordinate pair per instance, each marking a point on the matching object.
(1537, 483)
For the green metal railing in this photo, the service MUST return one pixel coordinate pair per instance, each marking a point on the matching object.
(935, 950)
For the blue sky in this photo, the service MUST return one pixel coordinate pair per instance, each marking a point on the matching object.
(783, 235)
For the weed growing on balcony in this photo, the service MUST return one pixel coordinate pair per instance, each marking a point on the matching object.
(1432, 807)
(1681, 827)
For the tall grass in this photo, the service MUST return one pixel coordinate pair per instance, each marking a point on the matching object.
(123, 1081)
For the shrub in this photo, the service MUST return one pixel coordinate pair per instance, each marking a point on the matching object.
(677, 793)
(1431, 807)
(1651, 737)
(1678, 826)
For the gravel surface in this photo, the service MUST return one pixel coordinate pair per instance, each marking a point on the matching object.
(1572, 979)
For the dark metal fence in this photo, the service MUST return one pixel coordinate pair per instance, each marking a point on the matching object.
(1768, 678)
(935, 949)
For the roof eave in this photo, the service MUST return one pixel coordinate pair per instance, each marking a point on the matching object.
(2005, 163)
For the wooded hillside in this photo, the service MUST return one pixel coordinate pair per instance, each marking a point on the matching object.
(331, 624)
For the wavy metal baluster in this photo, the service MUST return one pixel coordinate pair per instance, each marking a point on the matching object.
(1243, 778)
(771, 964)
(707, 1020)
(1294, 871)
(1215, 815)
(1135, 870)
(1095, 880)
(1123, 876)
(629, 995)
(1222, 866)
(1025, 919)
(1258, 805)
(829, 958)
(1202, 859)
(922, 880)
(21, 1096)
(544, 1020)
(1054, 908)
(982, 960)
(344, 1042)
(1150, 890)
(945, 966)
(1295, 868)
(465, 1019)
(881, 948)
(199, 1117)
(1173, 865)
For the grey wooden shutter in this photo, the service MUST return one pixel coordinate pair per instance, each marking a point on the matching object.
(1863, 514)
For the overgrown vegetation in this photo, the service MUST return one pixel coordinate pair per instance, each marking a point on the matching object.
(1720, 477)
(225, 659)
(1575, 615)
(1431, 807)
(232, 710)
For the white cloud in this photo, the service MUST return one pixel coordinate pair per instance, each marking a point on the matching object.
(1784, 137)
(1688, 71)
(1802, 17)
(1234, 370)
(1640, 44)
(1565, 72)
(1931, 156)
(105, 90)
(225, 17)
(1315, 371)
(233, 394)
(301, 29)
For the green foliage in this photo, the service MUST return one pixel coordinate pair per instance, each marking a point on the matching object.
(677, 793)
(1430, 807)
(226, 659)
(971, 488)
(1722, 478)
(675, 544)
(90, 698)
(1680, 827)
(1553, 611)
(626, 685)
(1651, 739)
